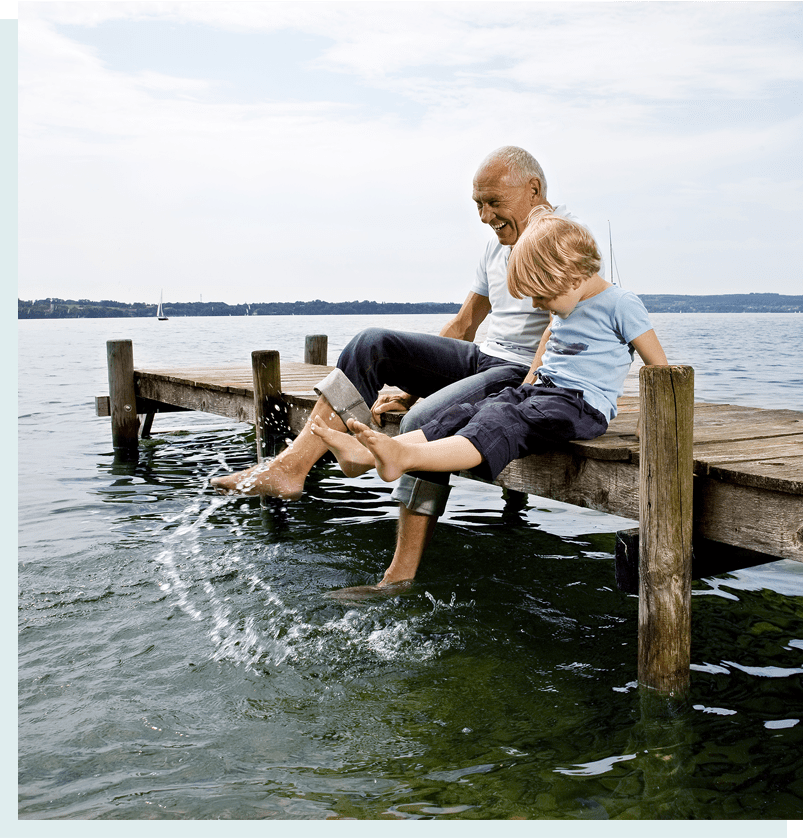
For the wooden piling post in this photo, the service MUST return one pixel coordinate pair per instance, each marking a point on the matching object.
(122, 398)
(665, 527)
(267, 388)
(315, 349)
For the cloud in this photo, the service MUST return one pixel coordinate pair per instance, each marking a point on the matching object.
(300, 150)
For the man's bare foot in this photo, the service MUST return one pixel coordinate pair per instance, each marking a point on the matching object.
(389, 454)
(353, 458)
(268, 478)
(369, 592)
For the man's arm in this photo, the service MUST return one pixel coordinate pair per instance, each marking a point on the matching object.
(463, 326)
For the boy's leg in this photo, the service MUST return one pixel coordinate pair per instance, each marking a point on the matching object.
(412, 452)
(353, 456)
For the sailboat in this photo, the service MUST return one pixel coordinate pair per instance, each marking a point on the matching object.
(614, 270)
(160, 315)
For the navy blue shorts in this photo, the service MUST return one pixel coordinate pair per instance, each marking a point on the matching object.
(519, 421)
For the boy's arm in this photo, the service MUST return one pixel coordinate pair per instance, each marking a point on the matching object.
(539, 355)
(652, 353)
(650, 350)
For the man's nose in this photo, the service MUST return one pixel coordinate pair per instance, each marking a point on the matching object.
(486, 214)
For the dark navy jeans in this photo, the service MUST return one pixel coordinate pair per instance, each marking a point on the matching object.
(523, 420)
(441, 371)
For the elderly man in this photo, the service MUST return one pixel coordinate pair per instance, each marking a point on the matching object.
(433, 371)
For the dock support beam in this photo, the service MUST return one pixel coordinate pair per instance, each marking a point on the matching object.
(122, 399)
(316, 348)
(267, 389)
(665, 528)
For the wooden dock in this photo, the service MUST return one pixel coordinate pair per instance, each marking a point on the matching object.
(747, 463)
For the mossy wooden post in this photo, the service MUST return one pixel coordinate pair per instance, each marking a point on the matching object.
(665, 527)
(122, 398)
(267, 388)
(315, 349)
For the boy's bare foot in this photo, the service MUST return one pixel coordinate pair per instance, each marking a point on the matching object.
(353, 458)
(267, 478)
(389, 454)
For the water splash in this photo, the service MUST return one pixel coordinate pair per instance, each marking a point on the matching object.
(253, 624)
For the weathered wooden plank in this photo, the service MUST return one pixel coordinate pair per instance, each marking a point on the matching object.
(776, 520)
(746, 430)
(605, 485)
(221, 402)
(747, 450)
(781, 474)
(744, 516)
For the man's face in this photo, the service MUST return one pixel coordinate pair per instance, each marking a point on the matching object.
(503, 205)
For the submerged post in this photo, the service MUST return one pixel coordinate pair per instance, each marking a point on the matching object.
(665, 527)
(315, 349)
(267, 388)
(122, 398)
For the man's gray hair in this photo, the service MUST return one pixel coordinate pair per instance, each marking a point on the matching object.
(520, 163)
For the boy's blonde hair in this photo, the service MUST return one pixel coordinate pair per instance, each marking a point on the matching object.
(551, 256)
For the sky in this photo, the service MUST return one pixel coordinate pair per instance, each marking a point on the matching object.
(281, 151)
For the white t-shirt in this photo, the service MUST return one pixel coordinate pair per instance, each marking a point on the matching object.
(514, 326)
(590, 349)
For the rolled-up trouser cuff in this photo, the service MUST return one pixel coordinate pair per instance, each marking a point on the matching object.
(421, 496)
(344, 397)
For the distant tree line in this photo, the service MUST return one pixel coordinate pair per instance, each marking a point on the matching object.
(53, 308)
(56, 309)
(726, 303)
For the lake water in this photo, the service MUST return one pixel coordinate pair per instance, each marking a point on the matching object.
(178, 658)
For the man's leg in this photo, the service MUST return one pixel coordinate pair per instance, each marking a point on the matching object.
(413, 535)
(422, 496)
(415, 362)
(284, 475)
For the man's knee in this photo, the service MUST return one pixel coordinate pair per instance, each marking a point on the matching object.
(364, 343)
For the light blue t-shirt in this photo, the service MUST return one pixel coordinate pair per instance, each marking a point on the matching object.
(514, 326)
(589, 350)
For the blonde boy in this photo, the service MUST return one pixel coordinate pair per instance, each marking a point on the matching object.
(571, 389)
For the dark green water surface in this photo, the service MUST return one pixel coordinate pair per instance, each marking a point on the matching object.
(179, 657)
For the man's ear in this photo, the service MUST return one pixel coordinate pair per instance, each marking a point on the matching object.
(535, 190)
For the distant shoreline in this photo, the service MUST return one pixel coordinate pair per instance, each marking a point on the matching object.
(57, 309)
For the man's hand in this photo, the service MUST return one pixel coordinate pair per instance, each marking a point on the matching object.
(391, 401)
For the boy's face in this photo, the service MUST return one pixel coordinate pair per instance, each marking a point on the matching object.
(563, 304)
